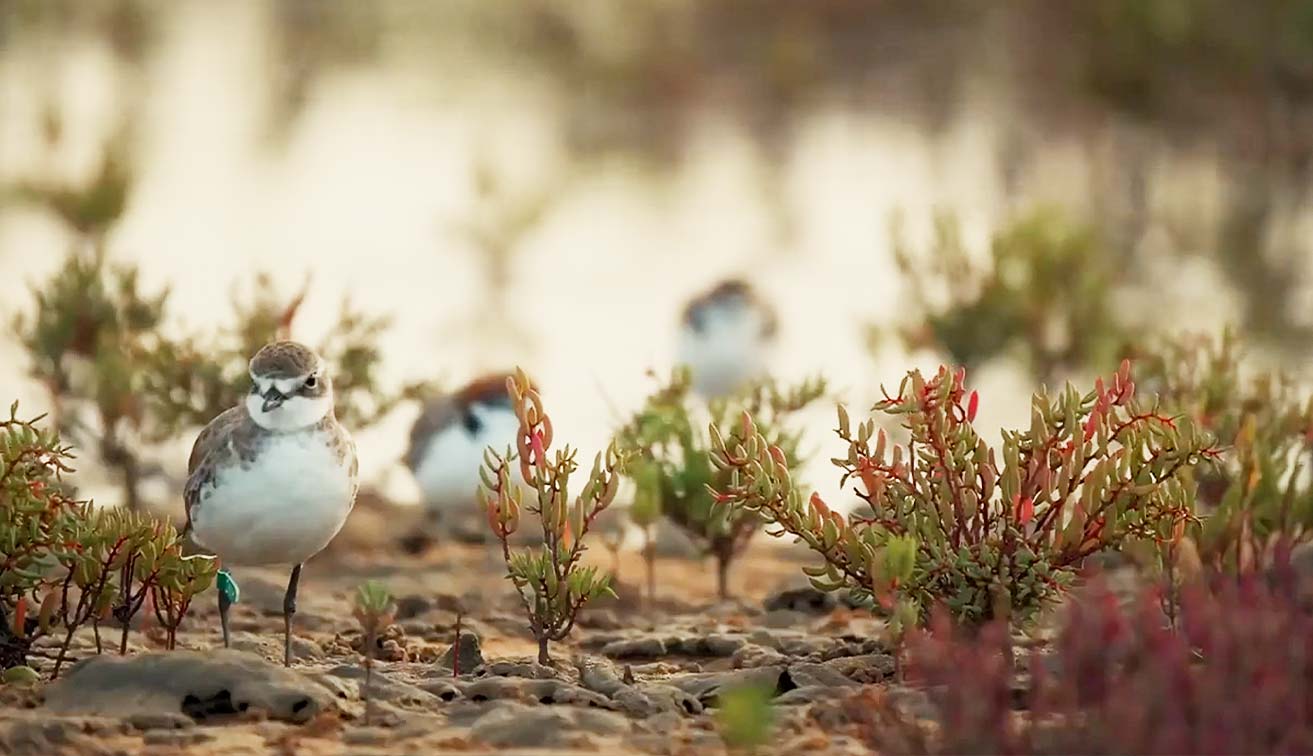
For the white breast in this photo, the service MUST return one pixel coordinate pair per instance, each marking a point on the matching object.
(448, 473)
(282, 509)
(728, 352)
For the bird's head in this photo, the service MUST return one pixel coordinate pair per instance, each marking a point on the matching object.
(290, 387)
(732, 306)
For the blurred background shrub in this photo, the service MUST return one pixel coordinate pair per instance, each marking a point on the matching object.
(1069, 177)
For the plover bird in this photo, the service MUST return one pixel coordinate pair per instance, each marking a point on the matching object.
(272, 480)
(724, 337)
(448, 440)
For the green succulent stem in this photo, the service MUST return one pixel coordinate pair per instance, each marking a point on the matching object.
(550, 579)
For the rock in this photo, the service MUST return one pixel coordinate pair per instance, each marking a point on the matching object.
(510, 668)
(412, 606)
(599, 676)
(706, 686)
(806, 599)
(540, 691)
(647, 647)
(783, 618)
(469, 654)
(810, 694)
(670, 698)
(600, 619)
(806, 674)
(201, 685)
(444, 688)
(370, 736)
(752, 655)
(645, 700)
(160, 720)
(176, 738)
(270, 647)
(600, 722)
(514, 725)
(867, 668)
(381, 688)
(805, 645)
(719, 644)
(658, 743)
(35, 735)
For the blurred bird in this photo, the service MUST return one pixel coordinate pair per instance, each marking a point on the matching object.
(271, 481)
(724, 336)
(449, 438)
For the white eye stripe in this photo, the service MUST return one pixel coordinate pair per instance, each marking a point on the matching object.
(288, 385)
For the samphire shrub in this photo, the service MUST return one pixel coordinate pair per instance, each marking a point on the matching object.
(65, 563)
(670, 460)
(552, 582)
(992, 533)
(122, 376)
(1256, 504)
(1042, 296)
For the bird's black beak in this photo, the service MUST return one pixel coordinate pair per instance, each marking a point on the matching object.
(272, 399)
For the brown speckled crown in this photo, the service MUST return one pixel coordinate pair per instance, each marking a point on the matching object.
(727, 291)
(284, 359)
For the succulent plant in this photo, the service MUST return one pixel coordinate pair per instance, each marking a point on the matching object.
(146, 387)
(671, 461)
(67, 563)
(1256, 504)
(1043, 297)
(374, 609)
(994, 538)
(550, 579)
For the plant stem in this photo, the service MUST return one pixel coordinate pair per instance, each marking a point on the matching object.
(649, 564)
(543, 658)
(722, 574)
(455, 655)
(369, 674)
(63, 651)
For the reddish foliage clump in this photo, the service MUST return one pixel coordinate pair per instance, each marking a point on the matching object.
(1236, 678)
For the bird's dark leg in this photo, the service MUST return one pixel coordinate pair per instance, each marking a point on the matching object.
(289, 608)
(225, 602)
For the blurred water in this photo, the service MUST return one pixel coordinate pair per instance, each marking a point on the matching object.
(369, 186)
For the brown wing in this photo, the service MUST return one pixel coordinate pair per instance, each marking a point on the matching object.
(345, 446)
(436, 415)
(229, 438)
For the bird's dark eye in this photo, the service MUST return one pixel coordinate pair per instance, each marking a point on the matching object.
(311, 382)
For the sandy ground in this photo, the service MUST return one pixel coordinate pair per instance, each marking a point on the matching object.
(665, 703)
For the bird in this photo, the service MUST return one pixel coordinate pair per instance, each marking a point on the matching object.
(449, 438)
(272, 480)
(724, 336)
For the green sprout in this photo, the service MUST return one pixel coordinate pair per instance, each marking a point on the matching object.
(745, 717)
(374, 610)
